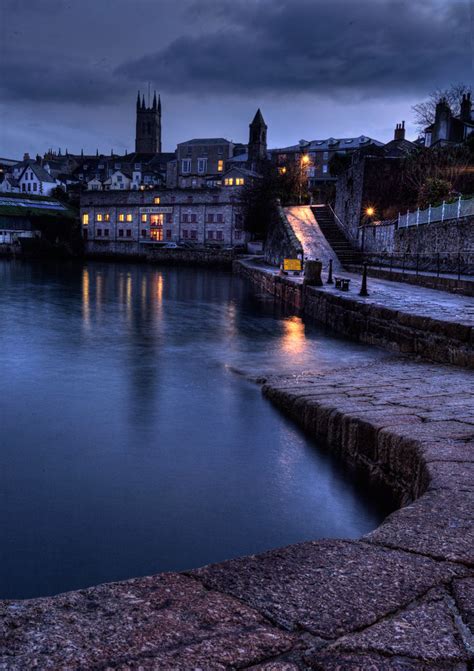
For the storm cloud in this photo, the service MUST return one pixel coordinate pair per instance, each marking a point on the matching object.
(70, 69)
(276, 46)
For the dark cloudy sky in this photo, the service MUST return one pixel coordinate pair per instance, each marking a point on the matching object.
(70, 69)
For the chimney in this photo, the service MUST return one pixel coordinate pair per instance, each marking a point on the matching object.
(26, 157)
(399, 131)
(466, 107)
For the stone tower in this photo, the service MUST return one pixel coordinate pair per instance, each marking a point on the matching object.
(148, 128)
(257, 149)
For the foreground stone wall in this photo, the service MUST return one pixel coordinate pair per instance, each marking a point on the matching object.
(400, 598)
(448, 237)
(281, 241)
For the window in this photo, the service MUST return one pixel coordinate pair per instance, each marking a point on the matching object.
(120, 232)
(143, 233)
(220, 235)
(100, 217)
(210, 218)
(193, 234)
(202, 165)
(169, 218)
(144, 218)
(29, 186)
(85, 219)
(189, 199)
(129, 217)
(184, 218)
(325, 155)
(186, 166)
(220, 150)
(157, 200)
(193, 218)
(129, 232)
(229, 181)
(121, 217)
(35, 187)
(168, 233)
(119, 178)
(239, 181)
(99, 232)
(185, 233)
(220, 165)
(325, 168)
(237, 235)
(106, 232)
(210, 235)
(107, 216)
(220, 218)
(137, 166)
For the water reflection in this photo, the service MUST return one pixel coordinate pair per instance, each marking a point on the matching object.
(130, 445)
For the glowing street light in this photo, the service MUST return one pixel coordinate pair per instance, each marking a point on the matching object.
(305, 159)
(370, 211)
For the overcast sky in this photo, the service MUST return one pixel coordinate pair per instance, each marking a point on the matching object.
(70, 69)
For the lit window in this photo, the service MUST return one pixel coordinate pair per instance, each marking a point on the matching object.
(107, 216)
(121, 217)
(229, 181)
(282, 170)
(100, 217)
(220, 165)
(85, 219)
(156, 200)
(239, 181)
(144, 218)
(129, 217)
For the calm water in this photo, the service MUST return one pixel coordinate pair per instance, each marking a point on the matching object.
(130, 443)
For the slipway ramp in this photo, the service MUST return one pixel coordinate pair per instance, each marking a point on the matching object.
(308, 232)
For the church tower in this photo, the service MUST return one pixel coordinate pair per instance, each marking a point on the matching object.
(148, 128)
(257, 148)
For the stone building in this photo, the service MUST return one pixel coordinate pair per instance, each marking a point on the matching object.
(315, 155)
(373, 180)
(148, 126)
(198, 162)
(119, 222)
(448, 128)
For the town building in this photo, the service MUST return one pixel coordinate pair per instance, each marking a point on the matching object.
(124, 222)
(448, 128)
(199, 161)
(27, 221)
(314, 156)
(35, 179)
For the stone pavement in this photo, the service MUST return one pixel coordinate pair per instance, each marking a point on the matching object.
(306, 228)
(399, 598)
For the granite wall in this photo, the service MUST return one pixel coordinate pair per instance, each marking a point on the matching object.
(281, 241)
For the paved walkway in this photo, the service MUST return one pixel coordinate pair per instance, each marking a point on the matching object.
(430, 303)
(307, 231)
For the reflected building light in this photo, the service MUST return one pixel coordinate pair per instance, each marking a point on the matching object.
(293, 340)
(128, 294)
(143, 293)
(99, 288)
(86, 308)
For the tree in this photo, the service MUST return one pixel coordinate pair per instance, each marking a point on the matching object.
(425, 111)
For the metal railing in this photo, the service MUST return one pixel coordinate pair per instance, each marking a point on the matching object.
(456, 210)
(458, 265)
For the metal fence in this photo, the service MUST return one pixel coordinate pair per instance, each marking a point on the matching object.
(460, 208)
(459, 265)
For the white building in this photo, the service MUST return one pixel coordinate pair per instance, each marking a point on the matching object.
(35, 179)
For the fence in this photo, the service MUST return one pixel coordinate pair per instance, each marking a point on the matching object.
(460, 208)
(459, 264)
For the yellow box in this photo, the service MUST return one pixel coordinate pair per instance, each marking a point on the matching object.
(292, 264)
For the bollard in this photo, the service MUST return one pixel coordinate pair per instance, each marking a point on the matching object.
(330, 280)
(363, 289)
(312, 273)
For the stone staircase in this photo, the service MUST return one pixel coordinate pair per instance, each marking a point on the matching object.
(344, 249)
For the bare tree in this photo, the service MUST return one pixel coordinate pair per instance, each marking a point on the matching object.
(425, 111)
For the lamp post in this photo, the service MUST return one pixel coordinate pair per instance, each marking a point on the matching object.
(304, 161)
(369, 213)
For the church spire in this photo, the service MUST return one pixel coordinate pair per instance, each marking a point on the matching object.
(154, 101)
(138, 100)
(143, 102)
(159, 105)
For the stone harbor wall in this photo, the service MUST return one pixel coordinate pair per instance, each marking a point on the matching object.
(179, 256)
(370, 322)
(447, 237)
(398, 599)
(377, 238)
(281, 242)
